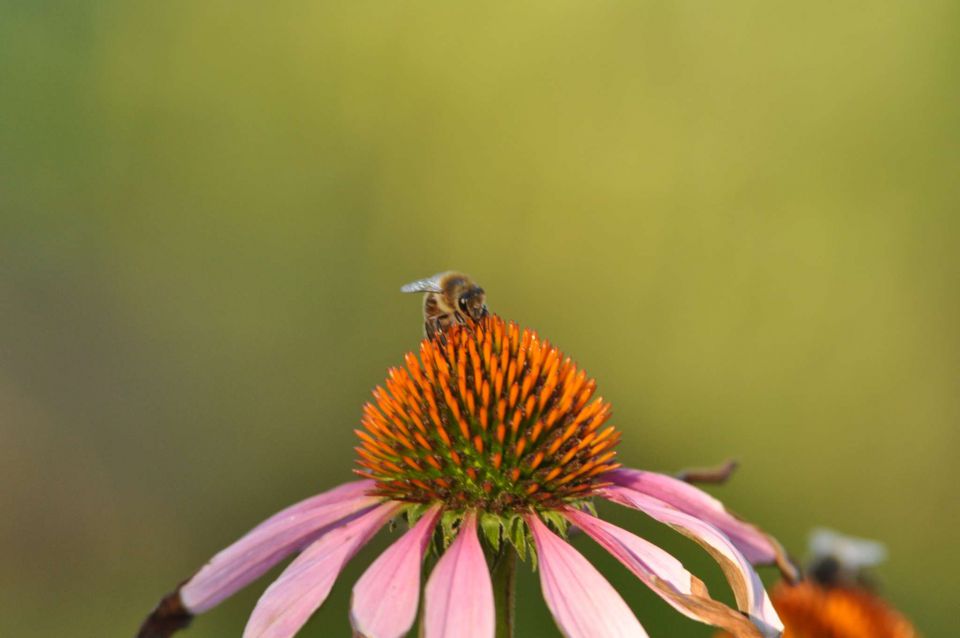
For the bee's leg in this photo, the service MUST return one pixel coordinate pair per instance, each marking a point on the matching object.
(713, 475)
(433, 326)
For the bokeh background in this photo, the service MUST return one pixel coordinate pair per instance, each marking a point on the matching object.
(741, 217)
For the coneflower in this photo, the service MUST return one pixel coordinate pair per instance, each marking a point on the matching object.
(490, 444)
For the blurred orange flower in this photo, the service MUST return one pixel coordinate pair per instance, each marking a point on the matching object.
(811, 610)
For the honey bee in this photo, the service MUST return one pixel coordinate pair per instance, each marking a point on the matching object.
(836, 559)
(451, 297)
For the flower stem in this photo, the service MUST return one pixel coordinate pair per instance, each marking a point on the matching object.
(504, 590)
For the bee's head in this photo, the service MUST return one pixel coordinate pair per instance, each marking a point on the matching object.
(472, 303)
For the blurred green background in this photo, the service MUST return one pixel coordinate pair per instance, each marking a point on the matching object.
(741, 218)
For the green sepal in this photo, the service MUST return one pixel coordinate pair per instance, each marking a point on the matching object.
(587, 505)
(557, 521)
(530, 545)
(449, 524)
(414, 512)
(517, 533)
(492, 528)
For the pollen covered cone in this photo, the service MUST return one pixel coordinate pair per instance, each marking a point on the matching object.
(489, 416)
(811, 610)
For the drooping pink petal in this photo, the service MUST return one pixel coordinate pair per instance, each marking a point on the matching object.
(273, 540)
(385, 598)
(747, 587)
(663, 574)
(459, 594)
(643, 558)
(582, 602)
(757, 546)
(290, 601)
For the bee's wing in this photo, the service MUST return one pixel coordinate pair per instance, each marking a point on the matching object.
(853, 553)
(430, 284)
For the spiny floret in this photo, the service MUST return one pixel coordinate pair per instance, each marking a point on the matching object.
(489, 416)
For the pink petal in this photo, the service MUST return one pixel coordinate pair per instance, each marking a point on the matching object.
(290, 601)
(757, 546)
(582, 602)
(270, 542)
(663, 574)
(747, 587)
(647, 561)
(385, 598)
(459, 595)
